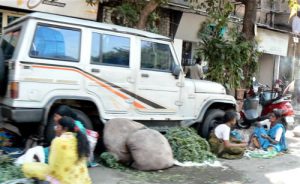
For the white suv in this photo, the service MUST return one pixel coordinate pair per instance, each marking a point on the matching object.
(103, 71)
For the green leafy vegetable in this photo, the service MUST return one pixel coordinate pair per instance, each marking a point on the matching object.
(187, 145)
(8, 171)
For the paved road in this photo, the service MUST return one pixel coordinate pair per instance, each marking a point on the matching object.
(283, 169)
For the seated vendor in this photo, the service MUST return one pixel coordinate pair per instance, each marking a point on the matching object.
(220, 141)
(274, 138)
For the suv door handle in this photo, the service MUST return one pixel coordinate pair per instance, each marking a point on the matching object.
(145, 75)
(130, 80)
(94, 70)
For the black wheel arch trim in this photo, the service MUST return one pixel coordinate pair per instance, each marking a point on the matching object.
(207, 104)
(54, 99)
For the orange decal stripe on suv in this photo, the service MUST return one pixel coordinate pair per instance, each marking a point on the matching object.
(136, 104)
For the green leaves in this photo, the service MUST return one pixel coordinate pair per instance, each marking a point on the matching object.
(127, 15)
(187, 145)
(92, 2)
(294, 7)
(231, 61)
(8, 171)
(109, 160)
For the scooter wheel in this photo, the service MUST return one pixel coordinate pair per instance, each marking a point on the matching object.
(242, 124)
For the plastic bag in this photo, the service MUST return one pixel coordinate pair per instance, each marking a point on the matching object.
(235, 134)
(92, 137)
(20, 181)
(31, 155)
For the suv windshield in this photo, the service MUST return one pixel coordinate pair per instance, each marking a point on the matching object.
(9, 43)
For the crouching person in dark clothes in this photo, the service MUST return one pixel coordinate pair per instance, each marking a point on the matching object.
(222, 144)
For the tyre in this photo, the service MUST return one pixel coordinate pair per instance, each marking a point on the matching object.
(84, 119)
(81, 116)
(98, 127)
(3, 75)
(242, 124)
(49, 131)
(213, 118)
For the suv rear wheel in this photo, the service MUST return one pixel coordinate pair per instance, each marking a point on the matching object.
(81, 116)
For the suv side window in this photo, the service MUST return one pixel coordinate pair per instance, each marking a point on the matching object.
(110, 49)
(9, 43)
(56, 43)
(156, 56)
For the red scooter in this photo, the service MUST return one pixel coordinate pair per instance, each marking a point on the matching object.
(259, 103)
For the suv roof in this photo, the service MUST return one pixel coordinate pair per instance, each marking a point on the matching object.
(88, 23)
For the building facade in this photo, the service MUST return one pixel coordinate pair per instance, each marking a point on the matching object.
(273, 33)
(12, 9)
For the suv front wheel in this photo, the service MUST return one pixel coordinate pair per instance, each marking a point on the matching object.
(213, 118)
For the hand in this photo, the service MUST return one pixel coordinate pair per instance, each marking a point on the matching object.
(244, 144)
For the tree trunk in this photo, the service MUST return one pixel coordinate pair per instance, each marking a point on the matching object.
(249, 19)
(148, 9)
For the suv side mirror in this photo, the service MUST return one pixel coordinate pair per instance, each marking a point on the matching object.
(176, 71)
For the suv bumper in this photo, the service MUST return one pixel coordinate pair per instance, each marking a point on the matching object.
(22, 115)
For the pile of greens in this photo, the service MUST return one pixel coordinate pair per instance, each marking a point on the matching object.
(8, 171)
(187, 145)
(109, 160)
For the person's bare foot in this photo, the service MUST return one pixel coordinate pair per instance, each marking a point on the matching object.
(255, 142)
